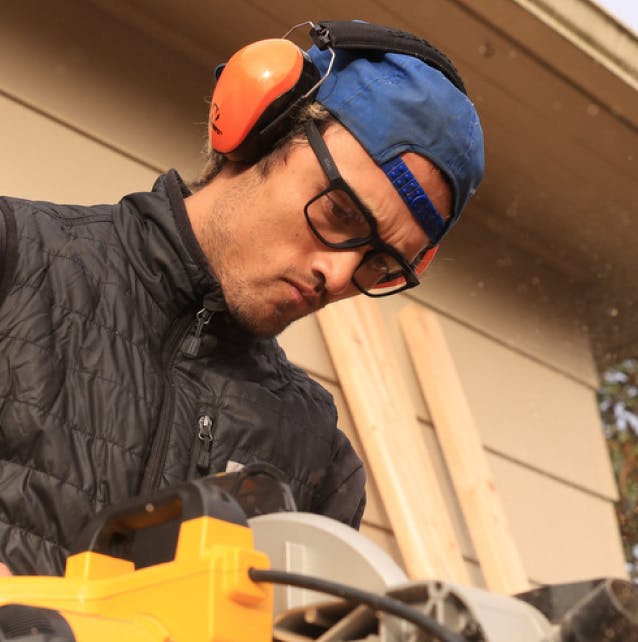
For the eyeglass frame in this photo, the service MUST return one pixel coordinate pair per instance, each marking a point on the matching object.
(336, 181)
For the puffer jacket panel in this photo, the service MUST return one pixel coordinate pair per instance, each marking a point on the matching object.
(75, 367)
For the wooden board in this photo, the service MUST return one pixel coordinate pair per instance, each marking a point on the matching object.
(463, 451)
(392, 439)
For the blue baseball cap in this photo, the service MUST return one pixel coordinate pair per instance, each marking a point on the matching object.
(394, 103)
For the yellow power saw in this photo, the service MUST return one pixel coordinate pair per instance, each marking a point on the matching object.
(193, 564)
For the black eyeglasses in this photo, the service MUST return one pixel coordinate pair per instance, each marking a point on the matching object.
(342, 222)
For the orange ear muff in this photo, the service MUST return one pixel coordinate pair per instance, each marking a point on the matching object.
(261, 80)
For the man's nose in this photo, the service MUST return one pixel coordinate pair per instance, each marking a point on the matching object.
(336, 267)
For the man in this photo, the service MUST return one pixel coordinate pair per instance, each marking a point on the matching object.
(136, 340)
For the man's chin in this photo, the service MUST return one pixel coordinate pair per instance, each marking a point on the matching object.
(265, 326)
(261, 330)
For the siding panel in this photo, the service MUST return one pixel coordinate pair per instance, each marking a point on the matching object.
(530, 412)
(510, 295)
(564, 534)
(47, 161)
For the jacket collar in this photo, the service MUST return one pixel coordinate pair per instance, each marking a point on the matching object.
(162, 247)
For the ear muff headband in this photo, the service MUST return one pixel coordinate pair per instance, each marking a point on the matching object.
(362, 36)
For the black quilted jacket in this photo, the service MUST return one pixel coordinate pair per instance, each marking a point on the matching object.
(108, 388)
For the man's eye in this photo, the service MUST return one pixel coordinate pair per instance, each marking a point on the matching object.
(383, 266)
(343, 214)
(380, 263)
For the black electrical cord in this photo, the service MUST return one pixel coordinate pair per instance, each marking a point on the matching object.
(374, 601)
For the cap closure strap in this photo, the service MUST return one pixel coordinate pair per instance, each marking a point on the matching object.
(415, 198)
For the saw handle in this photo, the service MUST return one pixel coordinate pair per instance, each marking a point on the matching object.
(144, 530)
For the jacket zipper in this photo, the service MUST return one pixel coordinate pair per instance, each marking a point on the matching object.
(157, 456)
(203, 317)
(205, 436)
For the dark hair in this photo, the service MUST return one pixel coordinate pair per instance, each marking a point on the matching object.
(215, 161)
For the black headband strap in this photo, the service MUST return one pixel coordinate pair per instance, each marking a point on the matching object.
(346, 34)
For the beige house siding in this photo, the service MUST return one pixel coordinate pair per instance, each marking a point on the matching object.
(104, 81)
(91, 110)
(43, 159)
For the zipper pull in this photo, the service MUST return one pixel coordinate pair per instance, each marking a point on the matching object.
(193, 341)
(205, 435)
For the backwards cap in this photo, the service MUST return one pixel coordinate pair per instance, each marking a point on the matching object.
(394, 103)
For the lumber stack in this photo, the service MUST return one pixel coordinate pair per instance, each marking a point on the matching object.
(391, 437)
(395, 448)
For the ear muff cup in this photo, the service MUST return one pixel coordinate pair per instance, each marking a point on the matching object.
(256, 96)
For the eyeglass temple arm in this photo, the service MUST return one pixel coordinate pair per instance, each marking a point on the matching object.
(321, 149)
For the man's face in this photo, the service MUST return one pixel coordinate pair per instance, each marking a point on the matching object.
(271, 266)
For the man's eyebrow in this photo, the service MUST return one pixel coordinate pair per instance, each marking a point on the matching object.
(396, 249)
(363, 203)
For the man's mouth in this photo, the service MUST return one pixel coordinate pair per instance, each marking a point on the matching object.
(304, 294)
